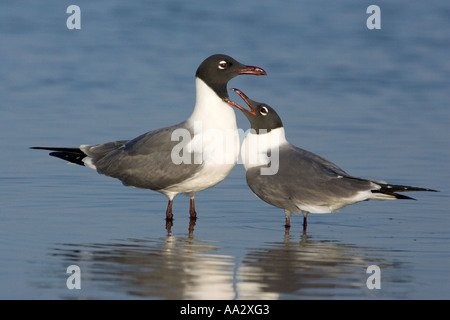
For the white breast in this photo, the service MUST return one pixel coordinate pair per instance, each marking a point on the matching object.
(262, 149)
(215, 140)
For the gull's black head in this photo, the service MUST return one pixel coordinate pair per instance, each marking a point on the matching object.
(218, 69)
(262, 117)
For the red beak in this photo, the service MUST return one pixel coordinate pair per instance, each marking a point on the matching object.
(252, 70)
(245, 98)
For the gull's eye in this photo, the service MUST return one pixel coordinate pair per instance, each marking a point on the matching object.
(264, 111)
(223, 65)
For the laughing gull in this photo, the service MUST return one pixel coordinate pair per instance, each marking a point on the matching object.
(297, 180)
(155, 160)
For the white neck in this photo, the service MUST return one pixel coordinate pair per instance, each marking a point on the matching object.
(215, 130)
(211, 110)
(260, 149)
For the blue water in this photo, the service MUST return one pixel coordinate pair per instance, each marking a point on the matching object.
(375, 102)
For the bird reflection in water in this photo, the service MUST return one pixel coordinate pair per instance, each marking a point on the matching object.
(188, 268)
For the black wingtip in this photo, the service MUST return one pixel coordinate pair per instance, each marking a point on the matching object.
(73, 155)
(393, 189)
(401, 196)
(59, 149)
(393, 194)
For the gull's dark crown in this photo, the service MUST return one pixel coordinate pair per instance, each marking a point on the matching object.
(263, 118)
(217, 70)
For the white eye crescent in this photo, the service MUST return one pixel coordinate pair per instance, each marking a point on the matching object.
(264, 111)
(223, 65)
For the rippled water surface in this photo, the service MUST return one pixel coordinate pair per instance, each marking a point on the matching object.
(375, 102)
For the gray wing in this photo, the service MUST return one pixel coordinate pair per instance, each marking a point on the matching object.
(144, 162)
(304, 177)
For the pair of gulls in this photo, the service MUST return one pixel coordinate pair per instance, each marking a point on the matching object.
(300, 182)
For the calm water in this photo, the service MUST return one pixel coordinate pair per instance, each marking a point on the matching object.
(375, 102)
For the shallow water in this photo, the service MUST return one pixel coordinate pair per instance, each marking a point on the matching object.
(375, 102)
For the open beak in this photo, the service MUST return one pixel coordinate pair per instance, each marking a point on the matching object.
(252, 70)
(245, 98)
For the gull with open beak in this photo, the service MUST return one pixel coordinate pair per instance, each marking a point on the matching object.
(300, 181)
